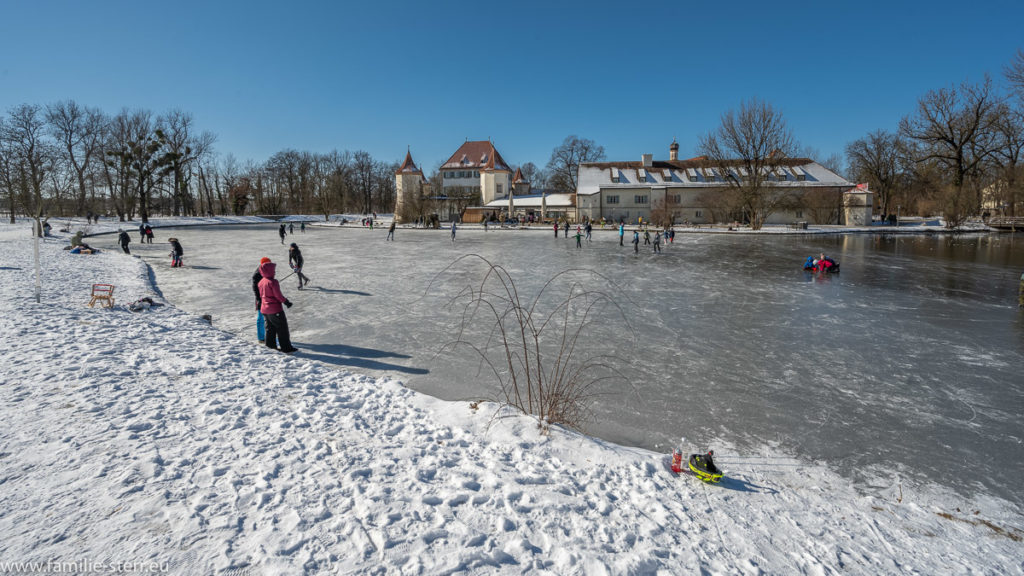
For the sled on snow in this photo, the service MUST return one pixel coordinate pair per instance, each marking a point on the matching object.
(703, 467)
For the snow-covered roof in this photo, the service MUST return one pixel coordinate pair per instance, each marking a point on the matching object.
(533, 201)
(476, 155)
(594, 176)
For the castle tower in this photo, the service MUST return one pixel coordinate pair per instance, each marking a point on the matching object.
(519, 184)
(673, 150)
(408, 189)
(495, 177)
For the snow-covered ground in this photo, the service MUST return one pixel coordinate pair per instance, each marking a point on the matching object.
(153, 436)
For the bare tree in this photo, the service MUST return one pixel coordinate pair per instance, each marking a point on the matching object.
(564, 165)
(8, 173)
(78, 132)
(182, 148)
(1015, 73)
(877, 160)
(1008, 159)
(754, 139)
(30, 158)
(136, 152)
(955, 128)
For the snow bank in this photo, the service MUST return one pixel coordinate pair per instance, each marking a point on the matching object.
(137, 437)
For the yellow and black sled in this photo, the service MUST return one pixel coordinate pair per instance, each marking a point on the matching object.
(703, 467)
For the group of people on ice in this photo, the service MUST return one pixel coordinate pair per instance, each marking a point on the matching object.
(821, 264)
(271, 322)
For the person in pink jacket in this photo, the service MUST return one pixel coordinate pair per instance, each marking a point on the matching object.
(271, 300)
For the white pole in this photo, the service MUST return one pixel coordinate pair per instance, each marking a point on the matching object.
(39, 284)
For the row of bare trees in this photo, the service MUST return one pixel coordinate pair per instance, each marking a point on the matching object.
(958, 153)
(65, 159)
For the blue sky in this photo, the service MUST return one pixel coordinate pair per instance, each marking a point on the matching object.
(383, 75)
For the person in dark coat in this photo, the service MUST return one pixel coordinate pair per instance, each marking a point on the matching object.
(565, 229)
(149, 234)
(281, 232)
(271, 300)
(123, 240)
(260, 324)
(295, 261)
(636, 242)
(391, 231)
(176, 253)
(142, 233)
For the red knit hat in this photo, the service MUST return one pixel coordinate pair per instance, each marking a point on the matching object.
(264, 260)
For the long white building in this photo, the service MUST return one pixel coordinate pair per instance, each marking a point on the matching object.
(686, 190)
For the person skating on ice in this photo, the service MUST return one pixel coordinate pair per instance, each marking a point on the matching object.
(295, 261)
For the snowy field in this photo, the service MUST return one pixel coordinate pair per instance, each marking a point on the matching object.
(154, 437)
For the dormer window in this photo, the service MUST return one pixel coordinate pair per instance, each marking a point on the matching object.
(615, 175)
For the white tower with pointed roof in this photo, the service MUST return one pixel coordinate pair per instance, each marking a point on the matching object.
(408, 187)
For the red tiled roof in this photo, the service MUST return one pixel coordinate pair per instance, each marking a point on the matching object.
(408, 167)
(519, 176)
(476, 155)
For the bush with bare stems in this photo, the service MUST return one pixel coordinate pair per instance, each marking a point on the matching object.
(534, 346)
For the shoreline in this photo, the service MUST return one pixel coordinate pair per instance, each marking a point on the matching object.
(216, 455)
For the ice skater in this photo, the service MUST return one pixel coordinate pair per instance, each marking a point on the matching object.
(281, 232)
(176, 253)
(142, 233)
(291, 228)
(588, 228)
(622, 233)
(149, 234)
(391, 232)
(453, 231)
(636, 242)
(123, 239)
(295, 261)
(271, 299)
(657, 242)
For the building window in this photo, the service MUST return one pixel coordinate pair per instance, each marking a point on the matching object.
(615, 178)
(799, 213)
(501, 190)
(697, 214)
(801, 177)
(613, 199)
(476, 174)
(640, 199)
(675, 198)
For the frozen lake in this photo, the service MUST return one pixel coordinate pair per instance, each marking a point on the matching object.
(907, 367)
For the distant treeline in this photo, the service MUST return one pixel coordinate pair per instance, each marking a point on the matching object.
(960, 153)
(66, 159)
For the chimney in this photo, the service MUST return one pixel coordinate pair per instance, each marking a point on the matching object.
(673, 150)
(647, 160)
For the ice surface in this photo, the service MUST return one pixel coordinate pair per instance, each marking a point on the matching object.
(905, 367)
